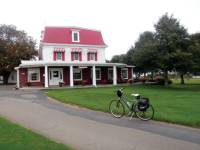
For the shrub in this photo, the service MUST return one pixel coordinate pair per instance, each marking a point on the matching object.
(143, 79)
(161, 81)
(130, 81)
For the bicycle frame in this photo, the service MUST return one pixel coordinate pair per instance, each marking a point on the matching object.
(125, 100)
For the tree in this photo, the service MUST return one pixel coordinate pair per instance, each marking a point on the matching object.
(195, 49)
(183, 62)
(170, 37)
(15, 45)
(145, 53)
(118, 58)
(129, 56)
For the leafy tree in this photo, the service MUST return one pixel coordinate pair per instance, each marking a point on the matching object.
(170, 37)
(15, 46)
(183, 62)
(129, 56)
(145, 53)
(195, 49)
(118, 58)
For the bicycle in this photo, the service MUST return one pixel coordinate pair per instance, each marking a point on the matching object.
(139, 106)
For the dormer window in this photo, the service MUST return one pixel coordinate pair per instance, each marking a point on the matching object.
(75, 36)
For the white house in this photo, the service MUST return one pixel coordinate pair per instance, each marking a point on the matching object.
(71, 56)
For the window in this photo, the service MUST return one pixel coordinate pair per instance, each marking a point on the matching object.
(12, 77)
(1, 78)
(58, 55)
(34, 75)
(110, 74)
(98, 74)
(55, 74)
(124, 73)
(77, 73)
(92, 56)
(75, 36)
(76, 55)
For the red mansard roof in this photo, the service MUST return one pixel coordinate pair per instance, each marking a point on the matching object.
(63, 35)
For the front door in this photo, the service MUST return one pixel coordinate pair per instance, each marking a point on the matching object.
(55, 76)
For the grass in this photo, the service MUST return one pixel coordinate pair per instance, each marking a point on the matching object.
(15, 137)
(176, 104)
(187, 81)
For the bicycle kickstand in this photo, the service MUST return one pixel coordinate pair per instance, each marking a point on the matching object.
(131, 116)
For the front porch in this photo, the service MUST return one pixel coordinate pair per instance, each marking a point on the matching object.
(70, 75)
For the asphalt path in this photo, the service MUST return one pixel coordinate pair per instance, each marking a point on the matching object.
(86, 129)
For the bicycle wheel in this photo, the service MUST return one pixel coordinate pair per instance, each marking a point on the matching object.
(145, 115)
(116, 108)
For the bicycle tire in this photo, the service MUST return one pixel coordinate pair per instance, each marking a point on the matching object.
(143, 114)
(116, 108)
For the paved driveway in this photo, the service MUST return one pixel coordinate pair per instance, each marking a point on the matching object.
(89, 130)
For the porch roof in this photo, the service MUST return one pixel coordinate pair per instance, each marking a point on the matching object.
(40, 63)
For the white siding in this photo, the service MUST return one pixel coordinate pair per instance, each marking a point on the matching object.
(47, 53)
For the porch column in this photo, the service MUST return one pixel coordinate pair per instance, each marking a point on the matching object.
(132, 73)
(114, 75)
(18, 85)
(71, 76)
(94, 76)
(46, 82)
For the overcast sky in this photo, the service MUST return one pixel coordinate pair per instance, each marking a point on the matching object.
(121, 21)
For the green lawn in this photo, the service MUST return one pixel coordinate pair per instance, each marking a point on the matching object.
(14, 137)
(187, 81)
(176, 103)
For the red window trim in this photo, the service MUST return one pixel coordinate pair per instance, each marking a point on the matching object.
(72, 56)
(63, 56)
(80, 56)
(95, 56)
(88, 56)
(54, 56)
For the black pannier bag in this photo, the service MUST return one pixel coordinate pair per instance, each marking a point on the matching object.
(143, 104)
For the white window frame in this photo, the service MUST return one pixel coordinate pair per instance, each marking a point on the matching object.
(124, 69)
(90, 55)
(33, 70)
(108, 73)
(60, 55)
(78, 36)
(98, 69)
(75, 57)
(77, 69)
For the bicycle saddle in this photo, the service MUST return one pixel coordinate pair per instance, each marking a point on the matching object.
(136, 95)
